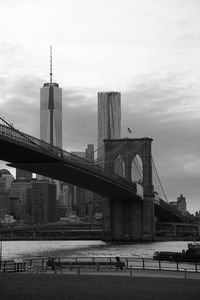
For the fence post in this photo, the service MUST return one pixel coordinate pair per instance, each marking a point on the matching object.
(177, 266)
(159, 264)
(42, 263)
(126, 262)
(98, 266)
(143, 265)
(131, 271)
(195, 263)
(185, 273)
(4, 267)
(71, 266)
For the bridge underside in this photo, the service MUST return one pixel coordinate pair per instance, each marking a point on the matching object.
(49, 165)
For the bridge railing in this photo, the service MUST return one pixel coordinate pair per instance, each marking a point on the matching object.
(98, 263)
(12, 133)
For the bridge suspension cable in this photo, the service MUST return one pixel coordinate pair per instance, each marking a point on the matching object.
(109, 154)
(24, 135)
(156, 172)
(18, 131)
(138, 167)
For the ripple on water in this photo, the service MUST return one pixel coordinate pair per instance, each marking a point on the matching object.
(31, 249)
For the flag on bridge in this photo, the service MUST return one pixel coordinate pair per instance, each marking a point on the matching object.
(129, 130)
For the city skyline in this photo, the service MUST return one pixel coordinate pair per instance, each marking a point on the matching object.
(147, 50)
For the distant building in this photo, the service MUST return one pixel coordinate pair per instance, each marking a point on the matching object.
(180, 204)
(83, 201)
(89, 152)
(109, 119)
(22, 174)
(64, 205)
(19, 202)
(43, 202)
(5, 184)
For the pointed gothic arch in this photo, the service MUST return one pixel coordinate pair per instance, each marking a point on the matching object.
(137, 169)
(119, 166)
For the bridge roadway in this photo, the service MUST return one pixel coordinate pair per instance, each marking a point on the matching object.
(31, 154)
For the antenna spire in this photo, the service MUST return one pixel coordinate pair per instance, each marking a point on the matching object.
(51, 74)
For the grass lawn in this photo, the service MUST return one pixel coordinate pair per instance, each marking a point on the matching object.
(84, 287)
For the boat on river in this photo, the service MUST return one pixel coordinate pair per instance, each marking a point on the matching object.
(191, 254)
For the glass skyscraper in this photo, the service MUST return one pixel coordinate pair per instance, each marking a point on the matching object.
(109, 118)
(51, 114)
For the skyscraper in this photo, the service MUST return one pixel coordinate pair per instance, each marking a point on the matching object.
(109, 118)
(51, 115)
(5, 183)
(51, 111)
(19, 202)
(43, 201)
(21, 174)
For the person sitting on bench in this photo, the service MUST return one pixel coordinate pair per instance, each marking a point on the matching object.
(50, 263)
(119, 264)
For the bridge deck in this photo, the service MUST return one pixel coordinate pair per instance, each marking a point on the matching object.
(28, 153)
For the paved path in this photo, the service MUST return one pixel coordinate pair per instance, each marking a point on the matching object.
(103, 285)
(130, 273)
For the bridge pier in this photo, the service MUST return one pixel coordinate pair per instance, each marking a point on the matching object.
(128, 220)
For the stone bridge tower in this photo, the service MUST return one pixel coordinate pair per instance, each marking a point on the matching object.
(130, 219)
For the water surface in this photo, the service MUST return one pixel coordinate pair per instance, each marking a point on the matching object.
(33, 249)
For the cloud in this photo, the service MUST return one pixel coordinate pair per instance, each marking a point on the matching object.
(168, 111)
(79, 119)
(20, 103)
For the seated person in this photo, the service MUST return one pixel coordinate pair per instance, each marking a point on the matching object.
(119, 264)
(50, 263)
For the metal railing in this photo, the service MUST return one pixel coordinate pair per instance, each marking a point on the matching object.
(97, 263)
(64, 156)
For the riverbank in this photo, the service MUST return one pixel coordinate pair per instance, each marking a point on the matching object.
(21, 286)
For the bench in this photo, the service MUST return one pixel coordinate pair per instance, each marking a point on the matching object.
(92, 264)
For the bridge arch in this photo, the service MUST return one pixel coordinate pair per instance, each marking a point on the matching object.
(137, 169)
(119, 166)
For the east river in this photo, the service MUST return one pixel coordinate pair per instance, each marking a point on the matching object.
(39, 249)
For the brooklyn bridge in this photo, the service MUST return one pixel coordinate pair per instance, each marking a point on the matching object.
(128, 214)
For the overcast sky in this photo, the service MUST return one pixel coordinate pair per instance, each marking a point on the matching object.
(149, 50)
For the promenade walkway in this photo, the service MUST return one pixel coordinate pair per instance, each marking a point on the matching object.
(102, 285)
(128, 273)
